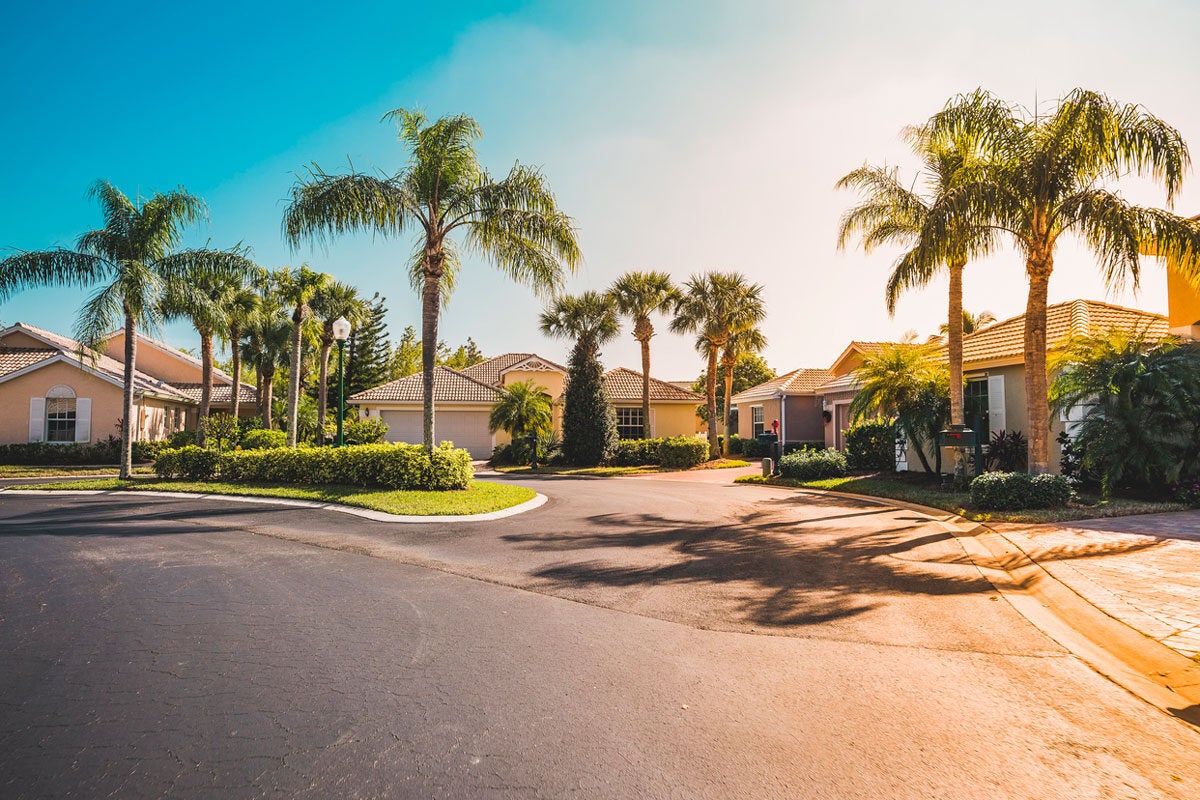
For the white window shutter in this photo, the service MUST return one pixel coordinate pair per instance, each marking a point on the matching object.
(37, 419)
(998, 420)
(83, 419)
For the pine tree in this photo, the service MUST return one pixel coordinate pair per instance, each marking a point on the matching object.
(368, 351)
(406, 355)
(589, 422)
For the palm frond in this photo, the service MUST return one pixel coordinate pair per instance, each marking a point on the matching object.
(50, 268)
(324, 205)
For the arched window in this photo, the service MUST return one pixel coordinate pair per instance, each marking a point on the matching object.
(60, 414)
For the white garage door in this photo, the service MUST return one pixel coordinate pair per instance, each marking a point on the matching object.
(467, 429)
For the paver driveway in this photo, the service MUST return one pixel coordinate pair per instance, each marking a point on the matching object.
(724, 641)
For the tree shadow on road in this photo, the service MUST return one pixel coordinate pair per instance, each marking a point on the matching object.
(127, 517)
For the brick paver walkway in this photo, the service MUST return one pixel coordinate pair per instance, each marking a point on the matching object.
(1143, 570)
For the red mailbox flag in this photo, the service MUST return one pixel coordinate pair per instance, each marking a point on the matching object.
(775, 426)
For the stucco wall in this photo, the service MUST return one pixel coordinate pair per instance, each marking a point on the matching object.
(154, 362)
(803, 418)
(15, 394)
(745, 426)
(19, 339)
(551, 381)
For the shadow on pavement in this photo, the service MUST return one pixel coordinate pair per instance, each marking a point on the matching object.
(131, 517)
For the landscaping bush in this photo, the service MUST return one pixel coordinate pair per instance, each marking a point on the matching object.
(1187, 492)
(871, 446)
(796, 447)
(1011, 491)
(263, 439)
(221, 431)
(181, 439)
(682, 452)
(364, 431)
(811, 465)
(398, 466)
(74, 454)
(1008, 451)
(190, 462)
(637, 452)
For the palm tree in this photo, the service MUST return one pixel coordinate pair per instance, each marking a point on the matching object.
(638, 295)
(905, 382)
(749, 340)
(589, 319)
(970, 322)
(442, 191)
(335, 299)
(240, 307)
(134, 256)
(715, 306)
(522, 409)
(893, 213)
(297, 287)
(1047, 176)
(267, 346)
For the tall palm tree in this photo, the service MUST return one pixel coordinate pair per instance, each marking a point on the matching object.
(134, 256)
(970, 322)
(638, 295)
(240, 307)
(749, 340)
(1047, 176)
(589, 319)
(297, 287)
(335, 299)
(443, 192)
(893, 213)
(267, 349)
(715, 306)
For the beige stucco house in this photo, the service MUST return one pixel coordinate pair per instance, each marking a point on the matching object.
(54, 390)
(790, 399)
(463, 400)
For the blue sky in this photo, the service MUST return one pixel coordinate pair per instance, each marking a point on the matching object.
(682, 136)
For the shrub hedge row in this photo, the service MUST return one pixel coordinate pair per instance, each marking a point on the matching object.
(677, 452)
(871, 446)
(751, 447)
(1009, 491)
(811, 465)
(44, 453)
(397, 466)
(263, 439)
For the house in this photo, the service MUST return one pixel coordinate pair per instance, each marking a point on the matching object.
(54, 390)
(791, 399)
(463, 400)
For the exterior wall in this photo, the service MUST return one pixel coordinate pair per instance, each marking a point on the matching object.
(837, 404)
(672, 419)
(19, 339)
(158, 418)
(552, 381)
(770, 407)
(803, 419)
(153, 361)
(15, 394)
(1183, 302)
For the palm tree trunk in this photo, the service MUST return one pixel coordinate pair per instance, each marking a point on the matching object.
(954, 340)
(646, 432)
(268, 396)
(127, 398)
(430, 299)
(1037, 404)
(323, 380)
(711, 387)
(728, 407)
(235, 340)
(294, 381)
(205, 386)
(258, 388)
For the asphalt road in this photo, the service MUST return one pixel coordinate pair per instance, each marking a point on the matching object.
(632, 638)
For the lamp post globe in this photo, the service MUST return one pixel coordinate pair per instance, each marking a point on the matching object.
(341, 332)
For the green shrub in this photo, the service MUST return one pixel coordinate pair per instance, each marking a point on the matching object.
(1010, 491)
(397, 466)
(637, 452)
(682, 452)
(181, 439)
(144, 452)
(364, 431)
(811, 465)
(871, 446)
(263, 439)
(190, 462)
(74, 453)
(795, 447)
(1008, 451)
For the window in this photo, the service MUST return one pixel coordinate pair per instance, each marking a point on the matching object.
(756, 420)
(975, 406)
(60, 419)
(630, 423)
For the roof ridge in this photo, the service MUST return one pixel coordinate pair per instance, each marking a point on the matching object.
(464, 376)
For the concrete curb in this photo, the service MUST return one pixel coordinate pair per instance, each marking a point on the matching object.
(366, 513)
(1139, 664)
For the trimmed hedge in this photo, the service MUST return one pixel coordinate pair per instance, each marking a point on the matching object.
(751, 447)
(871, 446)
(74, 454)
(398, 466)
(811, 465)
(682, 452)
(637, 452)
(1010, 491)
(263, 439)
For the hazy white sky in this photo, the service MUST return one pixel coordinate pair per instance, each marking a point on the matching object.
(692, 136)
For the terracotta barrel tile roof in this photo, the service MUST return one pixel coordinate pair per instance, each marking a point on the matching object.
(13, 359)
(625, 386)
(798, 381)
(489, 371)
(221, 392)
(449, 386)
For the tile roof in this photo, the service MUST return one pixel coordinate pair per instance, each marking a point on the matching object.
(489, 371)
(221, 392)
(449, 386)
(17, 358)
(625, 386)
(798, 381)
(1006, 339)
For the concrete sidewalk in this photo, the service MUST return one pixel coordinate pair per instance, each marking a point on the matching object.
(1142, 570)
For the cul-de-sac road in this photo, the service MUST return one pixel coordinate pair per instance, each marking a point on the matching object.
(631, 638)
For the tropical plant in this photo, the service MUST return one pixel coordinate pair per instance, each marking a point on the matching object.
(1140, 402)
(369, 349)
(751, 370)
(589, 422)
(1048, 175)
(715, 306)
(297, 287)
(742, 343)
(221, 429)
(240, 307)
(893, 213)
(970, 322)
(443, 191)
(639, 295)
(907, 383)
(523, 409)
(266, 349)
(134, 256)
(331, 301)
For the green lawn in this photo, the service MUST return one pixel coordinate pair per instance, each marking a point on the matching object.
(611, 472)
(920, 492)
(480, 498)
(22, 471)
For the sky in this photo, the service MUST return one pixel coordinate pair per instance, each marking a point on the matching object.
(682, 136)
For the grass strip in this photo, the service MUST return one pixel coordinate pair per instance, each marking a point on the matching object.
(63, 471)
(616, 472)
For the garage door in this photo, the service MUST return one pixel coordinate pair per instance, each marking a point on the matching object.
(467, 429)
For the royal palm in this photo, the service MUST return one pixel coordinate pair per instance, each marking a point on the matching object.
(450, 201)
(639, 295)
(297, 287)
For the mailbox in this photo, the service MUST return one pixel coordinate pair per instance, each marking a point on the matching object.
(957, 436)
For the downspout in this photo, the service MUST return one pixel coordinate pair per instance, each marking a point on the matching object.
(782, 420)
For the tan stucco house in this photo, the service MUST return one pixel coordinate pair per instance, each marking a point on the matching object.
(54, 390)
(791, 399)
(463, 400)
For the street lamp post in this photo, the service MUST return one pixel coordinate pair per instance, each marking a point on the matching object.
(341, 331)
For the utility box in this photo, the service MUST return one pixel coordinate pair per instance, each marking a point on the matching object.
(957, 436)
(767, 438)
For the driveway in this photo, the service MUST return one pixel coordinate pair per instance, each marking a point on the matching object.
(632, 638)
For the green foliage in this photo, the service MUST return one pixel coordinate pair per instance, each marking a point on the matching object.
(181, 438)
(368, 351)
(263, 439)
(190, 462)
(637, 452)
(871, 446)
(44, 453)
(465, 355)
(751, 370)
(521, 409)
(398, 466)
(589, 422)
(811, 465)
(1010, 491)
(907, 383)
(1008, 452)
(682, 452)
(1186, 492)
(221, 431)
(364, 431)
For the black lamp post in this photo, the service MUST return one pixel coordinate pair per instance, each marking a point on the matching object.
(341, 332)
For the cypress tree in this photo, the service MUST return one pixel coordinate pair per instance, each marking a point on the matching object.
(589, 422)
(368, 351)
